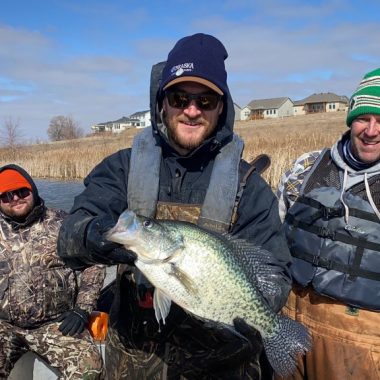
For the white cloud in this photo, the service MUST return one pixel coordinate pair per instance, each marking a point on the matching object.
(100, 70)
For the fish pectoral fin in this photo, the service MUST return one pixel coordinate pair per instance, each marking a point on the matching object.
(185, 280)
(161, 304)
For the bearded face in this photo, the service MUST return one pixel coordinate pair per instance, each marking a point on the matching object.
(188, 127)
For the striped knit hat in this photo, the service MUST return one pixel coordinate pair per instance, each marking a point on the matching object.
(366, 98)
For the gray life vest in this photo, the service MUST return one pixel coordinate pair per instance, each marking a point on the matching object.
(144, 175)
(341, 260)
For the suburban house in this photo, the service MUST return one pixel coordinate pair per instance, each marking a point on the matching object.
(267, 108)
(256, 109)
(143, 116)
(237, 112)
(323, 102)
(116, 126)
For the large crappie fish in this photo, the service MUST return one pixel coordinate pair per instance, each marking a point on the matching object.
(213, 277)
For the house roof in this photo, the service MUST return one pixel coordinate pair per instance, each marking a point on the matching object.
(125, 120)
(139, 113)
(267, 103)
(323, 97)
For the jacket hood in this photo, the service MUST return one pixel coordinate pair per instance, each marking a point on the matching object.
(224, 130)
(39, 206)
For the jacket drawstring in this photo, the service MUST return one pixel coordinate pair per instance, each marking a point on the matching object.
(346, 209)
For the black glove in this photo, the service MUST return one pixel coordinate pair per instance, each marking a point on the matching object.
(251, 334)
(102, 250)
(210, 350)
(74, 321)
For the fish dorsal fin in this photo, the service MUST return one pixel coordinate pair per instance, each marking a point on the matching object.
(258, 264)
(161, 304)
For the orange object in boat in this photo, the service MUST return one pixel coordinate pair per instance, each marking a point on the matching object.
(98, 325)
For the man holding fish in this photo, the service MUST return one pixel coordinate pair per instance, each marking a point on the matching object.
(187, 167)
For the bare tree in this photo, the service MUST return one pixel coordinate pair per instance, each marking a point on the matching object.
(11, 134)
(63, 128)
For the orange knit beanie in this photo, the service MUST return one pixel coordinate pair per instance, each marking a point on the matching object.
(11, 179)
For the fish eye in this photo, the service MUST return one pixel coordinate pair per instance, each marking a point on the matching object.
(147, 223)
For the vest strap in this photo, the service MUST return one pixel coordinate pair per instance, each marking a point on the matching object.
(336, 236)
(327, 213)
(351, 270)
(223, 187)
(145, 157)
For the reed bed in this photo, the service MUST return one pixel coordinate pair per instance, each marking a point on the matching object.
(66, 159)
(286, 139)
(282, 139)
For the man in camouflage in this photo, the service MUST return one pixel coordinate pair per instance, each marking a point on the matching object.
(44, 305)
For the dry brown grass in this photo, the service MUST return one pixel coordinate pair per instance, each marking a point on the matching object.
(286, 139)
(67, 159)
(282, 139)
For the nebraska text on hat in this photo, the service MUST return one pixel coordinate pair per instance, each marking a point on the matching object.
(180, 69)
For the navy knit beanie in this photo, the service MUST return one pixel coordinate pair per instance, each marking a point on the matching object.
(366, 98)
(197, 58)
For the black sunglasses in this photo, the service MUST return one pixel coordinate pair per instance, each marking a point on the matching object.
(181, 100)
(9, 195)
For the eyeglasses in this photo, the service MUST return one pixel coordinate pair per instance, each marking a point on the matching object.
(9, 195)
(181, 100)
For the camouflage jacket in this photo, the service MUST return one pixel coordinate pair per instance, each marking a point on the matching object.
(35, 284)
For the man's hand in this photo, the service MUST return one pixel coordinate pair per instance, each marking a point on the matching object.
(251, 334)
(73, 321)
(103, 250)
(217, 350)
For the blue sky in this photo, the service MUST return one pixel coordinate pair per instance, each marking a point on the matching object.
(91, 60)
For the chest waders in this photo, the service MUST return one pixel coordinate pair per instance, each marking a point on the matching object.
(336, 250)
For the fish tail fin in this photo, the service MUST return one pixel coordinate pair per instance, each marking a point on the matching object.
(291, 340)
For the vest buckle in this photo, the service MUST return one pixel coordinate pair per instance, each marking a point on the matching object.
(324, 232)
(331, 212)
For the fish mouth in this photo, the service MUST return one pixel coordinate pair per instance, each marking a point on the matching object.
(124, 228)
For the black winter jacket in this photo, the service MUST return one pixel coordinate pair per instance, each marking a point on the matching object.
(183, 179)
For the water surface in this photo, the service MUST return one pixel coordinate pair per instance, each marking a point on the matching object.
(59, 194)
